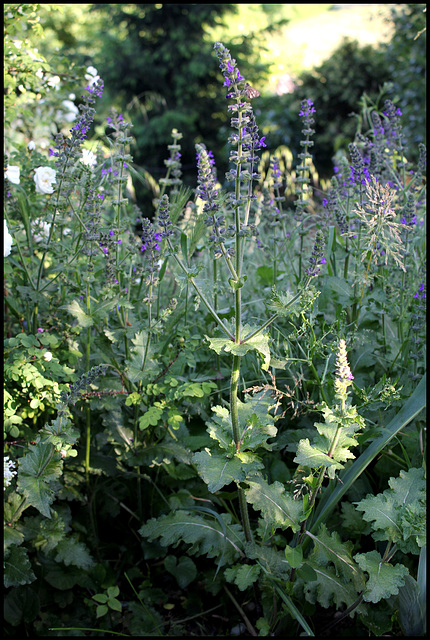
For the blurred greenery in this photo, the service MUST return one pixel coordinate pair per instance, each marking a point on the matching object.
(159, 69)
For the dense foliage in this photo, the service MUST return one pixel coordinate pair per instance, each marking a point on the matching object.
(214, 410)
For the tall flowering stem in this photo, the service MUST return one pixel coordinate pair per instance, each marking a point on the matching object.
(66, 150)
(302, 180)
(379, 230)
(167, 233)
(339, 416)
(246, 142)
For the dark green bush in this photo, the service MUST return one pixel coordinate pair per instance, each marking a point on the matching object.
(406, 59)
(335, 87)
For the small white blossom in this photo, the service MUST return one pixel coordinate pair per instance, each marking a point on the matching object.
(54, 82)
(71, 111)
(9, 471)
(12, 174)
(89, 158)
(44, 178)
(8, 241)
(41, 230)
(91, 75)
(31, 145)
(47, 356)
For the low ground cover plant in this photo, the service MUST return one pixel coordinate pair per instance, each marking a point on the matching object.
(214, 410)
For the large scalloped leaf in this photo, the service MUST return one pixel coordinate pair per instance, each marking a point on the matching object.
(17, 568)
(243, 575)
(206, 535)
(218, 470)
(338, 579)
(310, 456)
(329, 548)
(399, 512)
(278, 507)
(384, 578)
(260, 343)
(328, 588)
(72, 552)
(255, 424)
(37, 469)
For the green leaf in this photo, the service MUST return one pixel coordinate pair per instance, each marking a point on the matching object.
(237, 284)
(137, 365)
(113, 591)
(328, 588)
(284, 304)
(114, 604)
(255, 424)
(330, 549)
(72, 552)
(159, 453)
(310, 456)
(205, 534)
(294, 556)
(218, 470)
(242, 575)
(185, 571)
(220, 428)
(37, 469)
(75, 309)
(21, 605)
(17, 568)
(399, 512)
(102, 598)
(271, 560)
(384, 578)
(151, 417)
(340, 287)
(278, 508)
(101, 610)
(259, 343)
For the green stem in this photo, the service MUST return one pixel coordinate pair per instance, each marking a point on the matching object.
(87, 408)
(200, 294)
(234, 381)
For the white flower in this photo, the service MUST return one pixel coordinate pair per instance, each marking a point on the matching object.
(71, 111)
(8, 240)
(54, 82)
(41, 230)
(9, 471)
(89, 158)
(44, 177)
(31, 145)
(12, 174)
(91, 76)
(47, 356)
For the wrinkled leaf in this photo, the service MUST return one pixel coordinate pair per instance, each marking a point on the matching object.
(385, 579)
(278, 508)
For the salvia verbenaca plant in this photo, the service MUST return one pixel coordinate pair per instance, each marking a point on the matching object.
(241, 429)
(271, 536)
